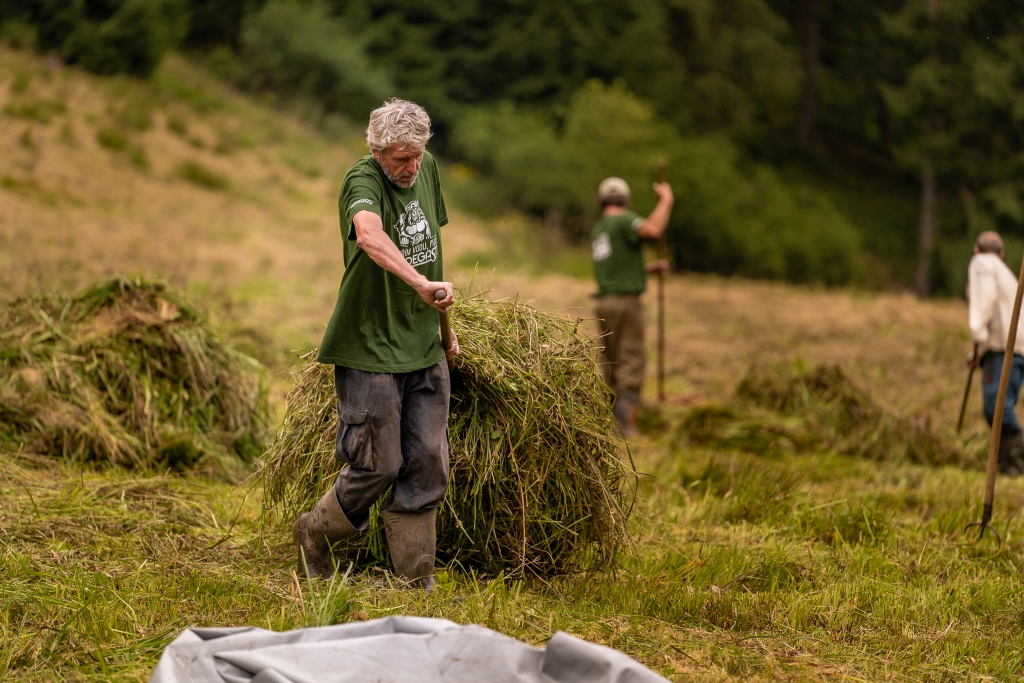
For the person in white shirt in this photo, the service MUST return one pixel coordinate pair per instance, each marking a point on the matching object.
(991, 287)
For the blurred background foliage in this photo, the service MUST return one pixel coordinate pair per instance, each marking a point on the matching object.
(812, 141)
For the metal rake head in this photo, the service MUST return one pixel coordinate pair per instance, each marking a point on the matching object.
(986, 517)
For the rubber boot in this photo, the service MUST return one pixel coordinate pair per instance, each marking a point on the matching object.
(412, 540)
(627, 405)
(632, 430)
(315, 532)
(1011, 452)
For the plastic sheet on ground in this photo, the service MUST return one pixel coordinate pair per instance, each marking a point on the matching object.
(389, 650)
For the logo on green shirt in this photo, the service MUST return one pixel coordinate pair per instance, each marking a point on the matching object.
(618, 254)
(416, 240)
(602, 247)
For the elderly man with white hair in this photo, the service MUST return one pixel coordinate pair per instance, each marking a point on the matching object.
(991, 286)
(390, 369)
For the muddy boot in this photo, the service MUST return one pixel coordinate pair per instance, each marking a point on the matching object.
(632, 430)
(315, 532)
(412, 539)
(1011, 452)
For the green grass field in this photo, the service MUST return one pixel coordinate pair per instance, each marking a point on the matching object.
(742, 567)
(751, 558)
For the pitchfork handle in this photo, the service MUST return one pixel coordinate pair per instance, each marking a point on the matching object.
(967, 391)
(997, 418)
(446, 326)
(662, 254)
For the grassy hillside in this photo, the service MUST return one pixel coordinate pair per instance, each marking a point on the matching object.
(756, 556)
(177, 178)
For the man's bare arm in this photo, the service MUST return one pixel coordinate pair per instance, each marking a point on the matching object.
(654, 226)
(371, 238)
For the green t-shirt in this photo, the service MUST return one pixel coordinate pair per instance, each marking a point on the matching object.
(618, 254)
(380, 324)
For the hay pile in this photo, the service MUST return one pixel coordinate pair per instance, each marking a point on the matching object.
(126, 372)
(782, 408)
(537, 484)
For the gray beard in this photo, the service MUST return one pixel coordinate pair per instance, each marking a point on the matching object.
(404, 186)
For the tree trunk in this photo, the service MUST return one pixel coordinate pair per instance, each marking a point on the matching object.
(884, 122)
(926, 240)
(807, 20)
(922, 284)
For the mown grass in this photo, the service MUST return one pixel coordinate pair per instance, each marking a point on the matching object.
(741, 567)
(748, 560)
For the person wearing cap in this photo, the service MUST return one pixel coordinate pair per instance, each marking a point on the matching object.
(991, 286)
(383, 339)
(617, 249)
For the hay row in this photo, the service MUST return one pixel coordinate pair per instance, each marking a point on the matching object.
(126, 372)
(537, 480)
(780, 408)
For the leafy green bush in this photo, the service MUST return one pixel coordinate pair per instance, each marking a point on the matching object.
(751, 223)
(40, 110)
(200, 175)
(116, 141)
(112, 139)
(294, 50)
(120, 36)
(18, 33)
(730, 217)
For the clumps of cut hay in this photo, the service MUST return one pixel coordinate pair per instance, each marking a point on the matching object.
(126, 372)
(783, 408)
(537, 484)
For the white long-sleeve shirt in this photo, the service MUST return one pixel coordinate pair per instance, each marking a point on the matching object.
(991, 287)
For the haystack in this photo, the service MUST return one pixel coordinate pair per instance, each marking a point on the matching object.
(126, 372)
(538, 484)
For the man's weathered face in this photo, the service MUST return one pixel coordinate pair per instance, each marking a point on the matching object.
(400, 165)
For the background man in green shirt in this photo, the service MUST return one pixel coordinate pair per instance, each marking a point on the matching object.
(390, 371)
(617, 247)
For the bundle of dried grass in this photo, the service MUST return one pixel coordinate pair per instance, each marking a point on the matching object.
(126, 372)
(537, 483)
(782, 408)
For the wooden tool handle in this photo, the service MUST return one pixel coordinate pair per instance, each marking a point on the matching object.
(967, 391)
(662, 241)
(662, 254)
(446, 325)
(1004, 381)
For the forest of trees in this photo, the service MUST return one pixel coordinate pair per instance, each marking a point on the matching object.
(808, 140)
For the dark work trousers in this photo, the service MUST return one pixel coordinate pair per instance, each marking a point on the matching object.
(392, 429)
(991, 369)
(621, 317)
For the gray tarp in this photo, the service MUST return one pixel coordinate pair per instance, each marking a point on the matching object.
(389, 650)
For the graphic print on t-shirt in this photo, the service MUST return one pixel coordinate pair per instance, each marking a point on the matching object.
(415, 238)
(602, 247)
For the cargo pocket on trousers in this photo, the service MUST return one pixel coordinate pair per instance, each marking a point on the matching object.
(354, 445)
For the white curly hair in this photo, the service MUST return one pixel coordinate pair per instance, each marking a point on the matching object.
(398, 123)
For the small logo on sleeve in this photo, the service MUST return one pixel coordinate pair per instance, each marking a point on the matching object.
(361, 201)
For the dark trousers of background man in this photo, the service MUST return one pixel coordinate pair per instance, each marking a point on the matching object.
(622, 329)
(991, 369)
